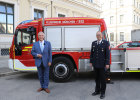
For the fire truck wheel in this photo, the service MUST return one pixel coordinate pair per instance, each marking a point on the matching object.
(62, 69)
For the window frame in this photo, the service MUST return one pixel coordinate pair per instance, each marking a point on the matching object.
(22, 31)
(121, 19)
(111, 3)
(121, 37)
(111, 19)
(110, 36)
(38, 11)
(121, 2)
(91, 1)
(124, 44)
(61, 14)
(6, 13)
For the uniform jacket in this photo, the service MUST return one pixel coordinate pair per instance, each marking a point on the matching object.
(100, 54)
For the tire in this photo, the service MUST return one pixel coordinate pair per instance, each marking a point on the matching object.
(62, 69)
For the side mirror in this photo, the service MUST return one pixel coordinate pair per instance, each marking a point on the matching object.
(124, 49)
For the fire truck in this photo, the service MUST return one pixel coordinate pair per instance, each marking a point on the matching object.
(71, 40)
(126, 59)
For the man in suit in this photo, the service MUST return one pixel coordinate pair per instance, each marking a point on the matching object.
(100, 60)
(42, 53)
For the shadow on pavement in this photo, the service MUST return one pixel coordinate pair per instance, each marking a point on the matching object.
(82, 76)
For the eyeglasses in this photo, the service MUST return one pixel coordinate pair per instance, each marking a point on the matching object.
(98, 35)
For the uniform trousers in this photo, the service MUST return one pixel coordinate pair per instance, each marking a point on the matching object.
(100, 79)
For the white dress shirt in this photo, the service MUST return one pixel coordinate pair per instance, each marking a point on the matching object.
(41, 45)
(98, 42)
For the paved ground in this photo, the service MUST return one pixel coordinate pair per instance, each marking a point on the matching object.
(4, 64)
(4, 61)
(4, 69)
(23, 87)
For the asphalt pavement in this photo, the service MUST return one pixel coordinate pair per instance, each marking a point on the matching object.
(4, 69)
(23, 86)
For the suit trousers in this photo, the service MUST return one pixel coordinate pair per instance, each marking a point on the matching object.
(43, 75)
(100, 79)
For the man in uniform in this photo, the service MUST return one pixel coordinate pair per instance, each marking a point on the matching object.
(100, 60)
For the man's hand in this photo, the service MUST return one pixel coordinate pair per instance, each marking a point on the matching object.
(49, 64)
(90, 64)
(107, 66)
(39, 55)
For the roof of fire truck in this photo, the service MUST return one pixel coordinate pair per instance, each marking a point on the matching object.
(64, 21)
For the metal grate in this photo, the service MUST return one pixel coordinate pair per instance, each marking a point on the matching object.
(4, 51)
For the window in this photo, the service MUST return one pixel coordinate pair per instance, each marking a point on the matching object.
(125, 45)
(134, 19)
(121, 2)
(135, 44)
(121, 18)
(90, 1)
(6, 18)
(111, 4)
(121, 36)
(111, 36)
(137, 20)
(105, 35)
(38, 14)
(111, 19)
(130, 45)
(25, 38)
(61, 15)
(19, 38)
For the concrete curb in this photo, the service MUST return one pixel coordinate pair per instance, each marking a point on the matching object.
(9, 73)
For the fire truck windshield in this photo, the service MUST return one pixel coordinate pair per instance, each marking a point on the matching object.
(24, 37)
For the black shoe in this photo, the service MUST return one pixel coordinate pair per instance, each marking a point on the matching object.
(102, 96)
(95, 93)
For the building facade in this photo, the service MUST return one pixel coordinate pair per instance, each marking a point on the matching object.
(12, 12)
(121, 16)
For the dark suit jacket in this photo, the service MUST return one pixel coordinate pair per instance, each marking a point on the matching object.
(100, 54)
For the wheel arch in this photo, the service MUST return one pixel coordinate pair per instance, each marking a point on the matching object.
(67, 56)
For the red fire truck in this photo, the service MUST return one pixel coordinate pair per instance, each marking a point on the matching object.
(70, 38)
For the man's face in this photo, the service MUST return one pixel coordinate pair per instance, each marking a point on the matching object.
(41, 36)
(99, 35)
